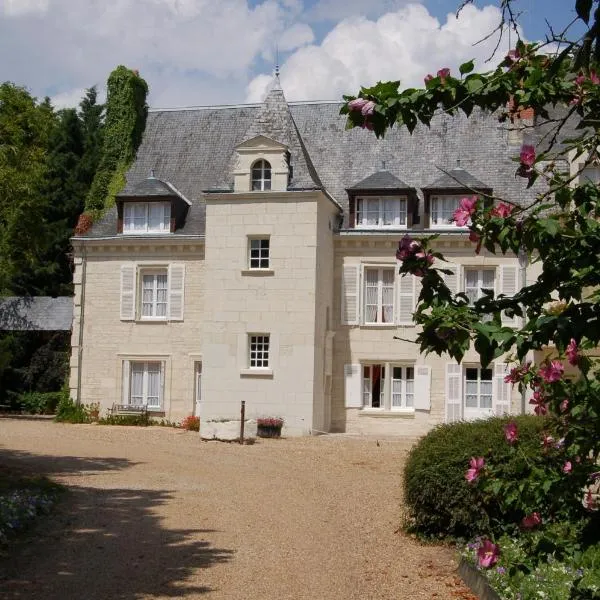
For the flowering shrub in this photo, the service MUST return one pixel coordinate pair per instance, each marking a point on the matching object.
(191, 423)
(269, 422)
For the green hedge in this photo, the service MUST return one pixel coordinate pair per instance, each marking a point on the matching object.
(439, 501)
(69, 412)
(39, 403)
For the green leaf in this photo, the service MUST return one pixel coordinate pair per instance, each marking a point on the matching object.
(466, 67)
(583, 8)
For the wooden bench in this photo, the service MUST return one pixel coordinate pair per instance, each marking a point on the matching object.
(128, 409)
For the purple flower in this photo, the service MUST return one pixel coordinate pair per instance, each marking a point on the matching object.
(527, 155)
(368, 109)
(357, 104)
(572, 352)
(487, 555)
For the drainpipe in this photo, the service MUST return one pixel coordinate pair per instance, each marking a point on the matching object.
(523, 263)
(81, 320)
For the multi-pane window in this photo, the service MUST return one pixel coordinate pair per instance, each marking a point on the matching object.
(477, 280)
(259, 351)
(378, 295)
(261, 175)
(145, 387)
(146, 217)
(259, 253)
(381, 212)
(395, 394)
(154, 294)
(478, 387)
(443, 209)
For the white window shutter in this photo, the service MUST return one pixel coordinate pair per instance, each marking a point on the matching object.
(453, 280)
(176, 289)
(350, 294)
(509, 286)
(126, 368)
(422, 387)
(406, 300)
(352, 386)
(453, 392)
(163, 368)
(502, 390)
(128, 272)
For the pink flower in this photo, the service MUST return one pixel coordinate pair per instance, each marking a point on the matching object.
(503, 210)
(428, 78)
(513, 56)
(368, 108)
(552, 371)
(564, 405)
(541, 408)
(531, 521)
(443, 73)
(477, 465)
(527, 155)
(511, 432)
(580, 79)
(487, 554)
(357, 104)
(571, 352)
(517, 373)
(428, 257)
(464, 211)
(567, 467)
(407, 248)
(594, 77)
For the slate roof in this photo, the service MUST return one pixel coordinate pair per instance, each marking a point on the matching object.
(457, 179)
(39, 313)
(150, 187)
(194, 150)
(381, 180)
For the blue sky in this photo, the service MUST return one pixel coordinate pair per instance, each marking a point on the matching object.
(199, 52)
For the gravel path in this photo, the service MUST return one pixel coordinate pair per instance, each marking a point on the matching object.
(155, 513)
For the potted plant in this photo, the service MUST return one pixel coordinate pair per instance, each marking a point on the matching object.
(269, 427)
(93, 410)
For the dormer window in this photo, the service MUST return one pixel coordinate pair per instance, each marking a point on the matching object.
(443, 209)
(146, 217)
(381, 212)
(261, 175)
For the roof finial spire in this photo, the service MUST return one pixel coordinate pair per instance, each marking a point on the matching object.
(276, 59)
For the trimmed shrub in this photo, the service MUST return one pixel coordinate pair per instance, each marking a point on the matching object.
(69, 412)
(39, 403)
(191, 423)
(439, 501)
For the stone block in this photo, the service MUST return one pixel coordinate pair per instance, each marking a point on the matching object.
(227, 431)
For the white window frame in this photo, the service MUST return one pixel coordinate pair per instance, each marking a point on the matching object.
(263, 253)
(129, 218)
(153, 272)
(433, 200)
(262, 183)
(259, 348)
(478, 393)
(480, 281)
(388, 391)
(145, 364)
(380, 313)
(406, 390)
(363, 212)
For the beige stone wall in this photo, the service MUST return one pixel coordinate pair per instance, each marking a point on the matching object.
(107, 340)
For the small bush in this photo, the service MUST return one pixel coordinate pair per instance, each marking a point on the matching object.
(133, 420)
(40, 403)
(69, 412)
(439, 501)
(191, 423)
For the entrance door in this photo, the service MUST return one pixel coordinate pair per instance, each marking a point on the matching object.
(477, 393)
(197, 387)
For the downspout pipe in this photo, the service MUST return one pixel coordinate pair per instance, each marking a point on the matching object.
(81, 322)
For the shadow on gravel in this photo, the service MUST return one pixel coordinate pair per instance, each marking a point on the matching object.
(104, 544)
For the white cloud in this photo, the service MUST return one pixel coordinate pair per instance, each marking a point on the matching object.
(19, 8)
(336, 10)
(405, 44)
(296, 36)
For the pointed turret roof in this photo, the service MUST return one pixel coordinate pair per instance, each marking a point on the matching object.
(379, 181)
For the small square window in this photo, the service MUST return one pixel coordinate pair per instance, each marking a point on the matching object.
(259, 253)
(258, 351)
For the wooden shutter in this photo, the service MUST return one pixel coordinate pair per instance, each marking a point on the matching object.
(422, 387)
(176, 289)
(128, 272)
(350, 294)
(352, 386)
(126, 369)
(406, 300)
(509, 286)
(453, 280)
(502, 391)
(453, 392)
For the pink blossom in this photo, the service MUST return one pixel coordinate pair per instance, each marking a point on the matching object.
(571, 352)
(513, 56)
(517, 373)
(368, 109)
(564, 405)
(531, 521)
(443, 73)
(464, 211)
(567, 467)
(357, 104)
(487, 554)
(541, 408)
(511, 432)
(527, 155)
(594, 77)
(477, 465)
(407, 248)
(552, 371)
(428, 78)
(503, 210)
(580, 79)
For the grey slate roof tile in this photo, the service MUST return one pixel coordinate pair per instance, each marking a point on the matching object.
(458, 179)
(381, 180)
(149, 187)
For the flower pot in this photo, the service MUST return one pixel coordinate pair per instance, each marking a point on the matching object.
(269, 431)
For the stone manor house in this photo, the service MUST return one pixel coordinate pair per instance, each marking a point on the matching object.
(251, 256)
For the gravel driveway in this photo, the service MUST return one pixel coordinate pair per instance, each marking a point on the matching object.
(155, 513)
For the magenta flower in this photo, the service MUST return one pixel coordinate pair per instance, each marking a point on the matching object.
(527, 155)
(511, 432)
(464, 211)
(357, 104)
(517, 373)
(567, 467)
(571, 352)
(564, 405)
(443, 73)
(503, 210)
(487, 554)
(580, 79)
(407, 248)
(541, 408)
(428, 78)
(531, 521)
(513, 56)
(552, 371)
(594, 77)
(368, 109)
(477, 465)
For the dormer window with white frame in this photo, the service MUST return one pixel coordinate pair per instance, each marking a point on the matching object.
(146, 217)
(261, 176)
(442, 211)
(381, 212)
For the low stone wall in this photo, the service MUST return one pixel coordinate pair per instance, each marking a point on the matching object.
(227, 431)
(477, 582)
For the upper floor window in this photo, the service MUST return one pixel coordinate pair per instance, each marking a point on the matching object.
(381, 212)
(443, 209)
(378, 295)
(146, 217)
(478, 280)
(261, 176)
(258, 253)
(154, 294)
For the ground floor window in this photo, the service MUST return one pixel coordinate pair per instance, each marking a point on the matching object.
(145, 384)
(478, 388)
(388, 386)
